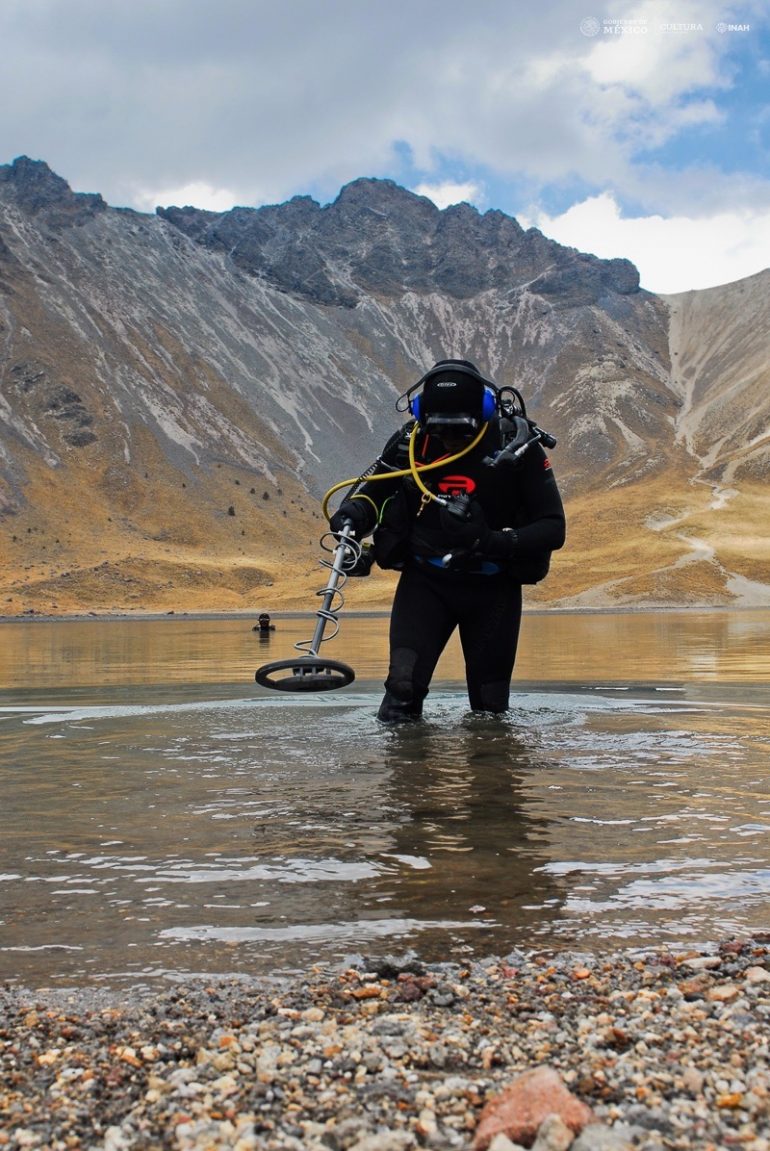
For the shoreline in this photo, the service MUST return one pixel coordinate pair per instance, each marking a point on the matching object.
(668, 1048)
(373, 613)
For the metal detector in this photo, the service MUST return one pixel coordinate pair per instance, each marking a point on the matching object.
(310, 672)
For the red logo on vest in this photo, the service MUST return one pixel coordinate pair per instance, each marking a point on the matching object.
(454, 485)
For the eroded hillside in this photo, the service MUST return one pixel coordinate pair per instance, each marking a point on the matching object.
(177, 392)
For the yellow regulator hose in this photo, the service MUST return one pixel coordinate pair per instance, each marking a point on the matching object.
(413, 470)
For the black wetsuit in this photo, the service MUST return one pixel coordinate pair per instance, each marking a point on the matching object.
(474, 585)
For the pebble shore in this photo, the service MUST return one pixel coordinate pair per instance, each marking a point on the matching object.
(669, 1050)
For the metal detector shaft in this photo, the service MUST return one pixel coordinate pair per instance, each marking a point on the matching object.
(324, 613)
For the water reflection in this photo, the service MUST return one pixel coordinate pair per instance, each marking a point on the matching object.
(635, 648)
(464, 829)
(170, 828)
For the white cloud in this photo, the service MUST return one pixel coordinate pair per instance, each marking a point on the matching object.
(242, 103)
(198, 194)
(675, 254)
(161, 96)
(448, 192)
(660, 65)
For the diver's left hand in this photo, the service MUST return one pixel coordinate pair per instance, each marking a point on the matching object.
(464, 528)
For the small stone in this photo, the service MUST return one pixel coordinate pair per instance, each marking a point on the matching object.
(553, 1134)
(502, 1143)
(597, 1137)
(692, 1080)
(115, 1140)
(702, 963)
(730, 1101)
(724, 993)
(384, 1141)
(314, 1015)
(25, 1137)
(128, 1055)
(426, 1124)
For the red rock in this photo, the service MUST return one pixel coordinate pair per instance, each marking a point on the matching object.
(521, 1107)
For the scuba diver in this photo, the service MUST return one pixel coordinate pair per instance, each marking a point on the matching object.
(463, 502)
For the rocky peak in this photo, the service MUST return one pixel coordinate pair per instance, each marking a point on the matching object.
(576, 279)
(192, 221)
(36, 189)
(379, 238)
(369, 194)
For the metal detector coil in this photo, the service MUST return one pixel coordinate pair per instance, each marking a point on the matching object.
(305, 674)
(309, 671)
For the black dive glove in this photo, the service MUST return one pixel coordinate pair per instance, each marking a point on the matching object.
(357, 513)
(500, 545)
(462, 524)
(465, 529)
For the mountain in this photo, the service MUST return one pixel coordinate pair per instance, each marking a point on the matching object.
(177, 392)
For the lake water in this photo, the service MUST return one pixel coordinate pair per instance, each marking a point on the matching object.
(161, 816)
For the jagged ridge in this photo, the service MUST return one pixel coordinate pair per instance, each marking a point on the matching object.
(377, 238)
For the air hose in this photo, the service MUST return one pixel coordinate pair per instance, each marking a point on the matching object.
(413, 470)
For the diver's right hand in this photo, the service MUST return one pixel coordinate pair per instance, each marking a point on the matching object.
(353, 513)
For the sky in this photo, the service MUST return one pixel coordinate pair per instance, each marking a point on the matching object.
(626, 128)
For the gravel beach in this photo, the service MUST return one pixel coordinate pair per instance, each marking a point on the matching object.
(668, 1049)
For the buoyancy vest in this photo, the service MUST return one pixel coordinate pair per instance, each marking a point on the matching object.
(523, 496)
